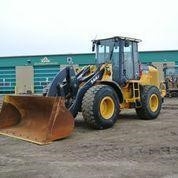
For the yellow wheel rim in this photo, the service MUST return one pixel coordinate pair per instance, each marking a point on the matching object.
(154, 102)
(107, 107)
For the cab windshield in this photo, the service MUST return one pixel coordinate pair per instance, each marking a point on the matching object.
(106, 51)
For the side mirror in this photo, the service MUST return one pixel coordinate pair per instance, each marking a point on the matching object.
(93, 47)
(127, 43)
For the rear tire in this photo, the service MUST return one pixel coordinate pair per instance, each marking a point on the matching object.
(151, 103)
(100, 107)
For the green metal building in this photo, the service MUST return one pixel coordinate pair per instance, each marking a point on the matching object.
(45, 67)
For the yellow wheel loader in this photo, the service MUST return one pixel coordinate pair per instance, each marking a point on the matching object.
(117, 81)
(171, 80)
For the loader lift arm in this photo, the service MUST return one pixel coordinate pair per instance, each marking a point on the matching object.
(66, 84)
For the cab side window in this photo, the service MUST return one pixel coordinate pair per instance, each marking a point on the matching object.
(128, 67)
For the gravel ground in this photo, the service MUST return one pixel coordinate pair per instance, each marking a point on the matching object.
(132, 148)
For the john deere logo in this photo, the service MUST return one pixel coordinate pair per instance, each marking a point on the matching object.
(45, 60)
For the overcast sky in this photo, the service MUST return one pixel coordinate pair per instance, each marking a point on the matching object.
(29, 27)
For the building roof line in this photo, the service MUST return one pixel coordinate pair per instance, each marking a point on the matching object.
(45, 55)
(153, 51)
(74, 54)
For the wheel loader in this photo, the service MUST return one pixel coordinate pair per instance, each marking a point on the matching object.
(115, 82)
(171, 80)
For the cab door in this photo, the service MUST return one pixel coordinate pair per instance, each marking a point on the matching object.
(130, 61)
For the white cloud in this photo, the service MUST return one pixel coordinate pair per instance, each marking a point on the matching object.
(67, 26)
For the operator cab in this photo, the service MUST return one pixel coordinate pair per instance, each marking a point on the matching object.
(122, 53)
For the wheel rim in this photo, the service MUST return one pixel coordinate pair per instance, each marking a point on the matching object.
(154, 102)
(107, 107)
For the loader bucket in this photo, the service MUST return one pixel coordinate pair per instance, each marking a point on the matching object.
(35, 118)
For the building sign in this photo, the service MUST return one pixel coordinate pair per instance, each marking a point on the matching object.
(69, 60)
(45, 60)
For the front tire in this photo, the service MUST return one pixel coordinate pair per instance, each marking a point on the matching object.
(100, 107)
(151, 103)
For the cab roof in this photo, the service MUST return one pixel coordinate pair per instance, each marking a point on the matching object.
(117, 38)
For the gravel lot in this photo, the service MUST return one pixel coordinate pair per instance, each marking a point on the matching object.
(132, 148)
